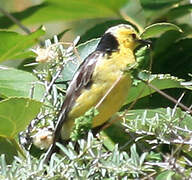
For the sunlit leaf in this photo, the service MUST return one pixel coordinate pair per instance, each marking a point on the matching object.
(166, 175)
(19, 83)
(157, 29)
(87, 48)
(160, 81)
(66, 10)
(15, 115)
(13, 45)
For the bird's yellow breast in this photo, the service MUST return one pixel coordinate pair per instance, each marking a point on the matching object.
(108, 72)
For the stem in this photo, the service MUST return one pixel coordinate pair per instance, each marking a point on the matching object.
(170, 98)
(13, 19)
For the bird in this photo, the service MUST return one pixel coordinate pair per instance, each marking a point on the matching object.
(104, 71)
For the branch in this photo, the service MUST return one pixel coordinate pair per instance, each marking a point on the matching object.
(12, 18)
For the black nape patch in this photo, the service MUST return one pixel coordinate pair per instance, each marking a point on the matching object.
(108, 44)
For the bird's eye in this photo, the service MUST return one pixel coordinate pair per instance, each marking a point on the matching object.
(134, 36)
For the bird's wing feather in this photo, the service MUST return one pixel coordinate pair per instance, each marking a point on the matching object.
(81, 78)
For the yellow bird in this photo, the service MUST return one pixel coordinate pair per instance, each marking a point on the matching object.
(101, 73)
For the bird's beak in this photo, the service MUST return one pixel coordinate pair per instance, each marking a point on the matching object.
(144, 42)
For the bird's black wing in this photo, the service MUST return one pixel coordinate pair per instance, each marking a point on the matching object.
(81, 79)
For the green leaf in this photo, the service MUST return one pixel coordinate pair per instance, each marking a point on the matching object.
(87, 48)
(134, 155)
(158, 4)
(154, 10)
(160, 81)
(84, 50)
(115, 134)
(66, 10)
(179, 11)
(12, 44)
(7, 148)
(25, 54)
(174, 60)
(157, 29)
(15, 115)
(166, 175)
(19, 83)
(70, 68)
(83, 124)
(165, 41)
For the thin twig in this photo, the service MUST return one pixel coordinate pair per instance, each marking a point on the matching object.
(51, 83)
(12, 18)
(178, 101)
(181, 129)
(150, 176)
(169, 97)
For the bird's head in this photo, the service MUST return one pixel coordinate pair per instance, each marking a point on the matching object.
(120, 37)
(125, 35)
